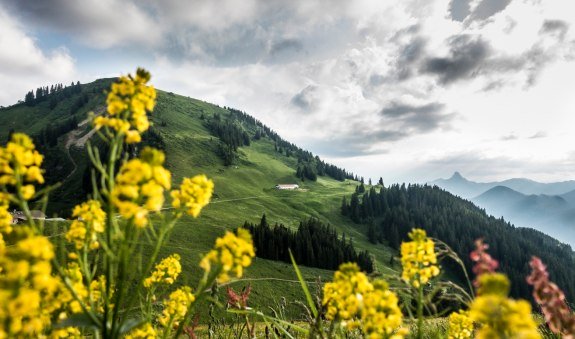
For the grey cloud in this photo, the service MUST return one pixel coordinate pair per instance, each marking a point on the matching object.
(398, 109)
(304, 99)
(91, 22)
(538, 135)
(376, 79)
(555, 27)
(471, 57)
(356, 144)
(413, 51)
(487, 8)
(466, 59)
(409, 55)
(286, 45)
(417, 119)
(509, 137)
(494, 85)
(459, 9)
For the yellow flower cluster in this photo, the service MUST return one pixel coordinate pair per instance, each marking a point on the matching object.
(20, 163)
(128, 103)
(145, 331)
(194, 194)
(166, 271)
(140, 186)
(66, 332)
(74, 274)
(499, 316)
(343, 297)
(418, 259)
(176, 306)
(5, 216)
(354, 301)
(460, 325)
(90, 221)
(27, 287)
(231, 253)
(380, 315)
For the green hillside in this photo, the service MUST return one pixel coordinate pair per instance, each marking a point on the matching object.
(243, 191)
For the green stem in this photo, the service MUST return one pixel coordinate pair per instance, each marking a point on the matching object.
(108, 264)
(420, 311)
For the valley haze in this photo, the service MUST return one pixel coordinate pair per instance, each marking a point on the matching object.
(547, 207)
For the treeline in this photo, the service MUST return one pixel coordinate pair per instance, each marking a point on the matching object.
(314, 244)
(392, 212)
(309, 166)
(231, 134)
(54, 93)
(48, 136)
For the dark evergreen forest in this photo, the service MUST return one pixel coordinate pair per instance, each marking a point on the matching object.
(392, 212)
(313, 244)
(239, 128)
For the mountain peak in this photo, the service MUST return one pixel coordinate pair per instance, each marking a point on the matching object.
(457, 176)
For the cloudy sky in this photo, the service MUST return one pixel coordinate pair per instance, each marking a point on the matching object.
(408, 90)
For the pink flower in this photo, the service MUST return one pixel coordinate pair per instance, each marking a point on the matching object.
(551, 299)
(239, 301)
(484, 263)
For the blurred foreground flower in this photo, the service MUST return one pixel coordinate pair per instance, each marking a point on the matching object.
(551, 299)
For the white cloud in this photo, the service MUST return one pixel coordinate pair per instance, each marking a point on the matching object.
(24, 66)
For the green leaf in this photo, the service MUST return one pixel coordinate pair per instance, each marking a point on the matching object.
(130, 324)
(78, 320)
(304, 286)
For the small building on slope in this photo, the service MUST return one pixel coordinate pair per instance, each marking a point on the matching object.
(287, 186)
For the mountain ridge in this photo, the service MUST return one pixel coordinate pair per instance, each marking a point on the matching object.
(469, 189)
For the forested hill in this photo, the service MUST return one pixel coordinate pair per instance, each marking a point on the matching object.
(56, 117)
(390, 213)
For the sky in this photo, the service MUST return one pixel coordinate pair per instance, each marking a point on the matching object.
(408, 90)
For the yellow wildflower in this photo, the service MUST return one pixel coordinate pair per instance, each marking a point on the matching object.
(5, 216)
(380, 314)
(129, 101)
(499, 316)
(418, 259)
(27, 287)
(20, 162)
(460, 325)
(194, 194)
(231, 253)
(344, 296)
(140, 186)
(166, 271)
(66, 332)
(145, 331)
(91, 219)
(176, 306)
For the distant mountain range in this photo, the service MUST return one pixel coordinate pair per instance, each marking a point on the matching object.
(547, 207)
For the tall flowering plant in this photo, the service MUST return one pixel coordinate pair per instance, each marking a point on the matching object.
(95, 290)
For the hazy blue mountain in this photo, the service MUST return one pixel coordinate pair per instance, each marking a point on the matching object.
(462, 187)
(468, 189)
(569, 197)
(550, 214)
